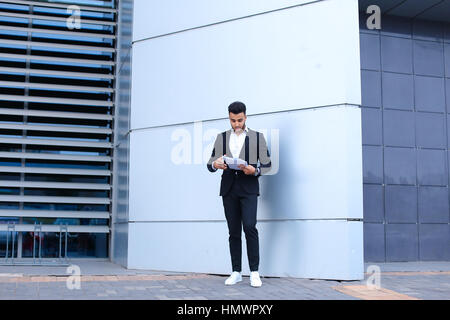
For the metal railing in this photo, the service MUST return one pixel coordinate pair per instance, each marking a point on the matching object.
(11, 229)
(61, 260)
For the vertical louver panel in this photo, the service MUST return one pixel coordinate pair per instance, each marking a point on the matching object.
(57, 78)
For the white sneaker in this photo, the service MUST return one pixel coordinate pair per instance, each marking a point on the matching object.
(255, 281)
(234, 278)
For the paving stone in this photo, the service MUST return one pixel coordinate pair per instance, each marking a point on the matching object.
(416, 283)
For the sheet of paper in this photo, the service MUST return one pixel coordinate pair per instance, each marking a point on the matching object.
(233, 163)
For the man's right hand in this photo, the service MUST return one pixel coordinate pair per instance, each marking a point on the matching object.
(219, 164)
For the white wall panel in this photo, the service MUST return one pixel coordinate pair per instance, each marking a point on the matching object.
(283, 65)
(319, 175)
(296, 58)
(156, 17)
(308, 249)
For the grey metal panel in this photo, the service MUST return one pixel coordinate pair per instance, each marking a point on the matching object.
(432, 168)
(54, 214)
(430, 130)
(64, 19)
(412, 8)
(400, 165)
(384, 5)
(371, 126)
(65, 171)
(67, 33)
(373, 203)
(437, 10)
(371, 88)
(374, 242)
(434, 242)
(61, 5)
(50, 156)
(56, 228)
(373, 164)
(58, 73)
(402, 242)
(55, 128)
(428, 58)
(400, 204)
(412, 221)
(82, 102)
(54, 185)
(440, 12)
(53, 86)
(53, 59)
(398, 91)
(370, 49)
(396, 54)
(56, 45)
(74, 143)
(119, 216)
(427, 30)
(398, 128)
(433, 205)
(43, 199)
(399, 27)
(56, 114)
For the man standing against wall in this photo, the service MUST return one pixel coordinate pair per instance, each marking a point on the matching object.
(239, 188)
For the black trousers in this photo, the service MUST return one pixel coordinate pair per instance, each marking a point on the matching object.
(240, 211)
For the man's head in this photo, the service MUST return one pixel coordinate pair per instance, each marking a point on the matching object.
(236, 113)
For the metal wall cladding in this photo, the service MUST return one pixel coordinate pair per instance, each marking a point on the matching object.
(405, 74)
(57, 74)
(300, 81)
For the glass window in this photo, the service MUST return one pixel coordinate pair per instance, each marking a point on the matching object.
(80, 245)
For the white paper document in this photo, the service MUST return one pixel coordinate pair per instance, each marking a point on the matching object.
(233, 163)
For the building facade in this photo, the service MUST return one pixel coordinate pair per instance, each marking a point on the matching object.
(405, 69)
(57, 80)
(109, 110)
(304, 96)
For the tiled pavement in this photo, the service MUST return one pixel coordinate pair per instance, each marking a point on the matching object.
(104, 280)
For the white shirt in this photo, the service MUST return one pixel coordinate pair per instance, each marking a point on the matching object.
(237, 142)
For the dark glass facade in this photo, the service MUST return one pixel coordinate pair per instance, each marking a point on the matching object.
(405, 73)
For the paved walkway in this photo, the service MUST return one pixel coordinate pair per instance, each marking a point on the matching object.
(105, 280)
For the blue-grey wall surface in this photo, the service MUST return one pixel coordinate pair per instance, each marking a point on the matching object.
(119, 221)
(300, 80)
(405, 79)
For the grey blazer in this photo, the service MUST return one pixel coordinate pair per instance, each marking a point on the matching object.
(254, 151)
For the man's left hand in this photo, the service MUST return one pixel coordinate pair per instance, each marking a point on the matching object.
(248, 170)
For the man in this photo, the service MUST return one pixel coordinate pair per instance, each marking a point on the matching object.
(240, 188)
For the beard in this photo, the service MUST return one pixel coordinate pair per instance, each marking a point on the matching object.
(239, 130)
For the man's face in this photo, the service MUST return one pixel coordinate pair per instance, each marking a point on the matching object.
(237, 121)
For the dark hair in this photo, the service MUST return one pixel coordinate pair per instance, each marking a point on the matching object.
(236, 107)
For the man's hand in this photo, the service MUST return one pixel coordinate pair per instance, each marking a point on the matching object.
(248, 170)
(219, 164)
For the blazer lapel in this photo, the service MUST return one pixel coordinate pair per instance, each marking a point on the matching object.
(244, 151)
(229, 154)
